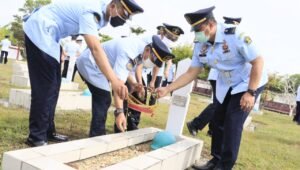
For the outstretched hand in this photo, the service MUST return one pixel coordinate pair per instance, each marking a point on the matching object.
(162, 91)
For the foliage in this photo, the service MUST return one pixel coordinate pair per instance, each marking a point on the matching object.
(5, 30)
(295, 78)
(275, 83)
(182, 52)
(104, 38)
(30, 5)
(137, 31)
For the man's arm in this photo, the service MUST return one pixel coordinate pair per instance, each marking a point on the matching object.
(103, 64)
(167, 69)
(120, 119)
(256, 72)
(247, 100)
(155, 71)
(182, 81)
(138, 73)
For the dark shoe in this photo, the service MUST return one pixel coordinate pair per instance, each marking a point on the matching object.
(193, 131)
(58, 138)
(210, 165)
(33, 143)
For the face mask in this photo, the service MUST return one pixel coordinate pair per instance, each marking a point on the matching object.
(116, 20)
(201, 37)
(148, 63)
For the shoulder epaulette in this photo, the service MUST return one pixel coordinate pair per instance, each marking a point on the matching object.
(230, 30)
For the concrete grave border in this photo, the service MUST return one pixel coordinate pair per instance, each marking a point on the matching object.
(181, 155)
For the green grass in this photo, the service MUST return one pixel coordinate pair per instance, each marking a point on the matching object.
(275, 144)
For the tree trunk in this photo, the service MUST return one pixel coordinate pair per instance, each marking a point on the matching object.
(291, 111)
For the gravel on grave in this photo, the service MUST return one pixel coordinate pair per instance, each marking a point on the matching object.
(111, 158)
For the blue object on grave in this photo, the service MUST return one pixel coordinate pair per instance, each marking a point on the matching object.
(162, 139)
(86, 92)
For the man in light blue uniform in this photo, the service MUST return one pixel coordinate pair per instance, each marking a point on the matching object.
(170, 36)
(124, 55)
(43, 30)
(240, 80)
(205, 117)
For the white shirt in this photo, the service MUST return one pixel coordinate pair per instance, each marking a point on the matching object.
(72, 49)
(298, 94)
(5, 45)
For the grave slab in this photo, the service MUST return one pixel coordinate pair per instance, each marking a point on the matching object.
(67, 100)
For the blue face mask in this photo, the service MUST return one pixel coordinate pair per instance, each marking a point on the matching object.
(201, 37)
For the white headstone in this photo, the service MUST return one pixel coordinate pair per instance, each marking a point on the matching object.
(256, 109)
(180, 102)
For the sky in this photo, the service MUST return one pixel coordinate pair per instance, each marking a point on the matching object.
(273, 25)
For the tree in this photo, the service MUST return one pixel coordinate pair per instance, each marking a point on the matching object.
(275, 83)
(290, 93)
(30, 5)
(137, 31)
(296, 79)
(17, 24)
(182, 52)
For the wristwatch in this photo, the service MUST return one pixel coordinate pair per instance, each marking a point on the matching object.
(252, 92)
(118, 111)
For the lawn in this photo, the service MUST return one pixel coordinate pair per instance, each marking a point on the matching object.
(275, 144)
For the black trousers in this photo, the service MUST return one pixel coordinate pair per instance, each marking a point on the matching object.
(74, 72)
(65, 69)
(101, 100)
(207, 114)
(133, 116)
(45, 80)
(228, 124)
(149, 78)
(4, 55)
(297, 116)
(157, 83)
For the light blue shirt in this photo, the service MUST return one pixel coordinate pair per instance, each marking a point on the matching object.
(119, 52)
(60, 19)
(230, 55)
(213, 74)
